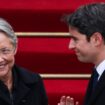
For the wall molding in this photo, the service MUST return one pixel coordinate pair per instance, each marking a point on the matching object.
(48, 34)
(65, 76)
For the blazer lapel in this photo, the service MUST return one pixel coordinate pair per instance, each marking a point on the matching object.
(98, 90)
(22, 90)
(5, 97)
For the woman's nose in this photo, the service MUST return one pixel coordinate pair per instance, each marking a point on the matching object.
(1, 58)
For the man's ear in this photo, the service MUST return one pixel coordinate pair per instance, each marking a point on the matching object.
(97, 39)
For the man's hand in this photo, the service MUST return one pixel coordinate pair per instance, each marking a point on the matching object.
(67, 101)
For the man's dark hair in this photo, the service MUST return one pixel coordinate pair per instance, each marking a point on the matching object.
(89, 19)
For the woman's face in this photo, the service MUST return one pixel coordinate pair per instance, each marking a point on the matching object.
(7, 52)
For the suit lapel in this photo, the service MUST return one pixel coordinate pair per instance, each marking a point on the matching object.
(89, 91)
(98, 90)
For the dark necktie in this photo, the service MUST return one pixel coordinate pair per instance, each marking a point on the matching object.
(95, 78)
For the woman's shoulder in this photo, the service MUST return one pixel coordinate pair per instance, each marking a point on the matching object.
(27, 75)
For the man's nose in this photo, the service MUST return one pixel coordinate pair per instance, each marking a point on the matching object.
(71, 44)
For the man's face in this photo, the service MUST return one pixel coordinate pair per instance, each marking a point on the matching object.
(7, 52)
(85, 50)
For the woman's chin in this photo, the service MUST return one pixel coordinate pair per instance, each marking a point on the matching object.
(3, 71)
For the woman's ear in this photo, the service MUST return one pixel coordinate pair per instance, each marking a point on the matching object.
(97, 39)
(16, 47)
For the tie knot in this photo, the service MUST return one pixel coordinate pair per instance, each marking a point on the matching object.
(95, 74)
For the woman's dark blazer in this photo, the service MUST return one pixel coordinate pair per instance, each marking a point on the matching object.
(28, 89)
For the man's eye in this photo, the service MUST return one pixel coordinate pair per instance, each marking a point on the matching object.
(75, 40)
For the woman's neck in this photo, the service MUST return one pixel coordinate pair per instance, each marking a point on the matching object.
(8, 81)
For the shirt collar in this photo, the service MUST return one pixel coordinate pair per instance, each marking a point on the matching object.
(100, 68)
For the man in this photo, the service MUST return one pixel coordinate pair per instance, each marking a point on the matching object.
(87, 32)
(18, 86)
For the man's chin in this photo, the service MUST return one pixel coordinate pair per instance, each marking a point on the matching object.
(81, 59)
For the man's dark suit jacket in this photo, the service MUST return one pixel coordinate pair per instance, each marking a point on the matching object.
(98, 96)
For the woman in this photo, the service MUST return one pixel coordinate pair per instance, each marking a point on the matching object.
(17, 85)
